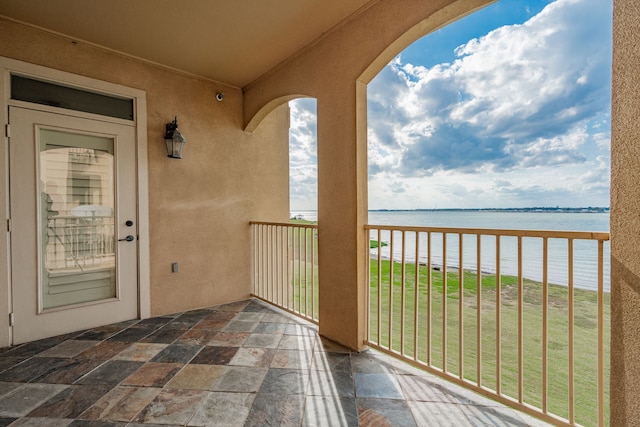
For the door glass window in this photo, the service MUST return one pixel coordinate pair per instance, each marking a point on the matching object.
(77, 200)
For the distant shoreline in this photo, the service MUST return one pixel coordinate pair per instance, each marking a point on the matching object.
(590, 209)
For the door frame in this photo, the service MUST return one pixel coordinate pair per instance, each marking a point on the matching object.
(9, 66)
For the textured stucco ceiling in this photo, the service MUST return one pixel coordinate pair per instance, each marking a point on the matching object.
(231, 41)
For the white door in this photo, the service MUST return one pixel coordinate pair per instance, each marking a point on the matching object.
(73, 223)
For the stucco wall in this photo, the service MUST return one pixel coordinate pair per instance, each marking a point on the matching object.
(200, 206)
(625, 216)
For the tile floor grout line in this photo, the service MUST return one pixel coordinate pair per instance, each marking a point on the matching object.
(300, 356)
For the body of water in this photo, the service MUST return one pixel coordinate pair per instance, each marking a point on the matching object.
(584, 252)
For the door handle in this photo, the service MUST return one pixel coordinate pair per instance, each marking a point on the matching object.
(129, 238)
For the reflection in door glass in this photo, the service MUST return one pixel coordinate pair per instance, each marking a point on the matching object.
(76, 218)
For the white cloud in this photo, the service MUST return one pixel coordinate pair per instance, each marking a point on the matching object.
(542, 186)
(518, 117)
(527, 97)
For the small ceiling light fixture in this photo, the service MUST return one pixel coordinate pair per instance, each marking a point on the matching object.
(219, 96)
(174, 140)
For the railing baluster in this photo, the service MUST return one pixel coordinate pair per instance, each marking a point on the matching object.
(545, 321)
(265, 259)
(285, 267)
(284, 241)
(313, 274)
(479, 310)
(498, 319)
(274, 260)
(287, 284)
(299, 276)
(379, 286)
(429, 298)
(601, 382)
(403, 272)
(570, 322)
(260, 270)
(367, 281)
(460, 306)
(520, 323)
(286, 273)
(291, 281)
(265, 262)
(416, 297)
(269, 259)
(294, 267)
(256, 274)
(278, 265)
(444, 303)
(306, 303)
(274, 263)
(307, 268)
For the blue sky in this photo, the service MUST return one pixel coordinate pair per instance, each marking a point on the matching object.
(508, 107)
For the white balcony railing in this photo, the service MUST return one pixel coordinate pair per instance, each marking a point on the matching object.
(520, 316)
(285, 259)
(463, 305)
(78, 243)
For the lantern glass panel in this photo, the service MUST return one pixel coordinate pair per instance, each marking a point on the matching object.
(175, 145)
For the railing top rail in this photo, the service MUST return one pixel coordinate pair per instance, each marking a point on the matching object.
(283, 224)
(557, 234)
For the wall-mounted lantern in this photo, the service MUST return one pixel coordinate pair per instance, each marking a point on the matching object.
(174, 140)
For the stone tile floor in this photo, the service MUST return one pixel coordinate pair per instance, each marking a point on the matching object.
(238, 364)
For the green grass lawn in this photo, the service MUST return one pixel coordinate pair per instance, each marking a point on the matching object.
(304, 270)
(585, 333)
(302, 221)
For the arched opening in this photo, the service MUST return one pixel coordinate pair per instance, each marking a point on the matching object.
(498, 121)
(514, 115)
(286, 251)
(303, 159)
